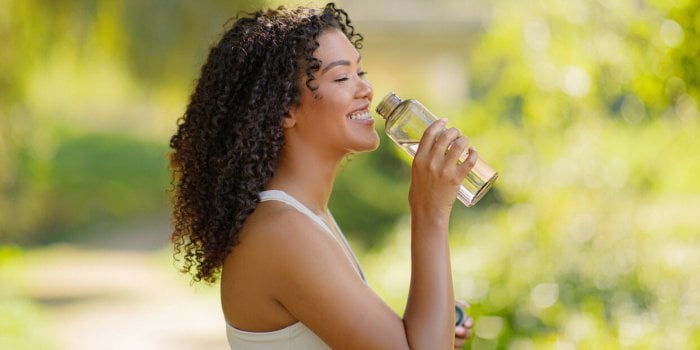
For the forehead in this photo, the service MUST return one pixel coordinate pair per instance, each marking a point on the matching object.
(334, 45)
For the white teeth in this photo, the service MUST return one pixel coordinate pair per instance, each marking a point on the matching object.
(360, 116)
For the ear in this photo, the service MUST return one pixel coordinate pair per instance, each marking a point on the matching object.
(289, 119)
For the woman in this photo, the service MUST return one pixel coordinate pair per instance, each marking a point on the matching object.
(281, 100)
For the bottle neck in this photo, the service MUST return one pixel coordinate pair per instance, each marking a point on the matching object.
(388, 105)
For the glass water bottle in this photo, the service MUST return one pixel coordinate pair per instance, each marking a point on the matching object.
(406, 120)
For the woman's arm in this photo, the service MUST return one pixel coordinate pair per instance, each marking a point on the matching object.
(436, 177)
(317, 284)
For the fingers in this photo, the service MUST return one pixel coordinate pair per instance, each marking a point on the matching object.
(451, 148)
(430, 136)
(468, 164)
(437, 169)
(462, 303)
(461, 336)
(445, 142)
(450, 143)
(456, 149)
(463, 331)
(468, 325)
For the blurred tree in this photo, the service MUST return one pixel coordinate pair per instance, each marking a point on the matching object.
(590, 110)
(94, 69)
(371, 194)
(75, 75)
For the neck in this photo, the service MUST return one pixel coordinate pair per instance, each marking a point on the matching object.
(308, 176)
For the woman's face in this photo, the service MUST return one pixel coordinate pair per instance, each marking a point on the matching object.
(337, 119)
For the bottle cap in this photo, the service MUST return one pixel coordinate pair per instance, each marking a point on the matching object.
(388, 104)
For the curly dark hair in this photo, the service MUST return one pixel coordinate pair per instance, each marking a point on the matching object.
(228, 141)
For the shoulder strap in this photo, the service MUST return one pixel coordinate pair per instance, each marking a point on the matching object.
(277, 195)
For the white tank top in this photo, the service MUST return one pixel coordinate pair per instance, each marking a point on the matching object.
(296, 336)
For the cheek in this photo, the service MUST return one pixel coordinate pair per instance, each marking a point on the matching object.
(328, 105)
(328, 100)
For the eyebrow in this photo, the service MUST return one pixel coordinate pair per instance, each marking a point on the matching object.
(338, 63)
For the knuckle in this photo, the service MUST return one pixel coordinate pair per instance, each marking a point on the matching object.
(450, 174)
(435, 126)
(459, 144)
(473, 158)
(451, 133)
(463, 140)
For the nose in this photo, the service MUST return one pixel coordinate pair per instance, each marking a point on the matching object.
(365, 90)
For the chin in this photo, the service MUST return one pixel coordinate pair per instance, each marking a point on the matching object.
(368, 144)
(368, 147)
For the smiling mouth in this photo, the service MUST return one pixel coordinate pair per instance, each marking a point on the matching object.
(361, 115)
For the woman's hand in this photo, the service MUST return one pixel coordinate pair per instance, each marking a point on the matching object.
(464, 331)
(436, 173)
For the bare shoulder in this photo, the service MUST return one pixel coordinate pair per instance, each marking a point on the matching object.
(280, 239)
(272, 240)
(307, 273)
(276, 223)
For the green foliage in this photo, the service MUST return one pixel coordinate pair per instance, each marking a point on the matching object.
(21, 324)
(154, 29)
(370, 195)
(589, 111)
(82, 85)
(88, 180)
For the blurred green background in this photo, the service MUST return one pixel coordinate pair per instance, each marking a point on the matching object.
(588, 109)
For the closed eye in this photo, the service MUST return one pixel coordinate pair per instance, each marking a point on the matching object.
(360, 74)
